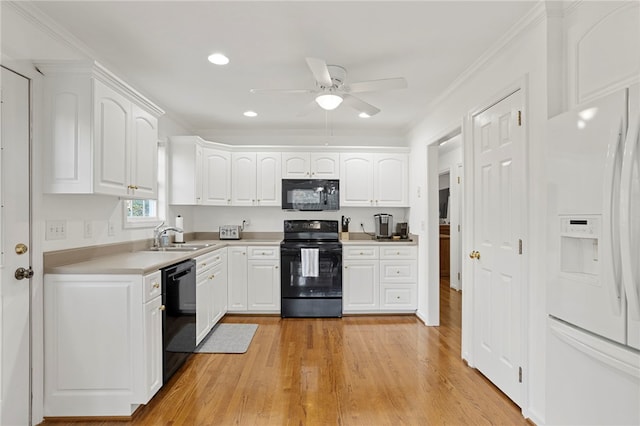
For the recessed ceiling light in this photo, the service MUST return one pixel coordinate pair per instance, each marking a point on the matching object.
(250, 114)
(218, 59)
(363, 115)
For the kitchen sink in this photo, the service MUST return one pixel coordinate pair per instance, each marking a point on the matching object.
(181, 247)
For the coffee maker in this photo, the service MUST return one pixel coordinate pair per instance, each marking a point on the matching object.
(403, 230)
(384, 225)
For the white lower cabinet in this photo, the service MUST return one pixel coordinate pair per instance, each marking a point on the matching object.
(380, 278)
(360, 283)
(211, 291)
(103, 343)
(254, 279)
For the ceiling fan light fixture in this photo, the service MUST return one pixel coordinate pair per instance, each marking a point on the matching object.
(329, 101)
(364, 115)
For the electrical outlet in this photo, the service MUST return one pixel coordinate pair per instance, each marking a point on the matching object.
(56, 229)
(111, 229)
(88, 229)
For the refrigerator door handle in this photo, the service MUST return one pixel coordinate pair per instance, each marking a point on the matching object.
(611, 242)
(628, 241)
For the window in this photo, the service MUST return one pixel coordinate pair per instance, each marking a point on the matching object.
(149, 213)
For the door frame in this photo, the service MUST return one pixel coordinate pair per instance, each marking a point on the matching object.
(28, 70)
(468, 330)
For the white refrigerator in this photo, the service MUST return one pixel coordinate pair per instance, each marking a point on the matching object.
(593, 278)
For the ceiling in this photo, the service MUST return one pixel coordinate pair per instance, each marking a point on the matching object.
(161, 49)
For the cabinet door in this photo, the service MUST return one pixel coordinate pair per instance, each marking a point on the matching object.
(269, 179)
(219, 293)
(203, 305)
(391, 180)
(112, 136)
(185, 171)
(325, 166)
(152, 347)
(360, 279)
(144, 154)
(243, 183)
(296, 165)
(216, 171)
(237, 276)
(264, 285)
(94, 344)
(356, 183)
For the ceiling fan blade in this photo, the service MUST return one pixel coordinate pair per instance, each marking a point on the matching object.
(360, 105)
(281, 91)
(376, 85)
(320, 71)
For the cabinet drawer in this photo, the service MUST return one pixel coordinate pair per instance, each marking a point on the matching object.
(264, 252)
(399, 252)
(398, 270)
(209, 260)
(152, 285)
(394, 297)
(359, 252)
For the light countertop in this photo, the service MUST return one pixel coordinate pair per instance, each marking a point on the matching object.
(146, 261)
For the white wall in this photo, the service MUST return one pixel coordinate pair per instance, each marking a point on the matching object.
(269, 219)
(523, 56)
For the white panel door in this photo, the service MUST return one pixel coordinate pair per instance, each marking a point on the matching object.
(15, 229)
(243, 183)
(216, 177)
(497, 150)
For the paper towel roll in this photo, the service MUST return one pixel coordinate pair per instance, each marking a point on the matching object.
(179, 236)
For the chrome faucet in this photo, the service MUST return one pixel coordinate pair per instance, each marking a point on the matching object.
(159, 232)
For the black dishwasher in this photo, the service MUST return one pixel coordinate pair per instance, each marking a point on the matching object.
(179, 316)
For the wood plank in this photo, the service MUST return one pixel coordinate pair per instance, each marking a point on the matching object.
(369, 370)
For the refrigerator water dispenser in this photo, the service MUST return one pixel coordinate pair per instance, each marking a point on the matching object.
(579, 242)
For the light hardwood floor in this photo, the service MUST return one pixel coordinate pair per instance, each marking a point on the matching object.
(365, 370)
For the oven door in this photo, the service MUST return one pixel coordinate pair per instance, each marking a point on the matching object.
(328, 282)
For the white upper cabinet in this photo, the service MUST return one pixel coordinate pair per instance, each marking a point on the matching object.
(374, 180)
(310, 165)
(602, 41)
(216, 177)
(185, 171)
(391, 180)
(244, 178)
(102, 134)
(256, 179)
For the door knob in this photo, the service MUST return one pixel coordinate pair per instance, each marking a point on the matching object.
(22, 273)
(474, 255)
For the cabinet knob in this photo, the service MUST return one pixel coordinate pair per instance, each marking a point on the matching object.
(346, 267)
(398, 253)
(276, 266)
(397, 272)
(204, 264)
(162, 307)
(211, 277)
(361, 254)
(156, 285)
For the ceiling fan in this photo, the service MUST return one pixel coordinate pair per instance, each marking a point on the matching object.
(332, 89)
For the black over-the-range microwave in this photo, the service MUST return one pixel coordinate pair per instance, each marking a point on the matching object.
(310, 194)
